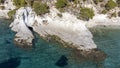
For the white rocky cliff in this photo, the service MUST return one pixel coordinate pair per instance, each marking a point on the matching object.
(68, 27)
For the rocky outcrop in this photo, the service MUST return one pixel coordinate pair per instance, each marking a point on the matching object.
(68, 28)
(24, 36)
(64, 25)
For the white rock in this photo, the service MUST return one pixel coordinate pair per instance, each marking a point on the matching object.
(103, 20)
(67, 27)
(24, 35)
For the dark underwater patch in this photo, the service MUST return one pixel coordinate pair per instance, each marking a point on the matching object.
(10, 63)
(62, 61)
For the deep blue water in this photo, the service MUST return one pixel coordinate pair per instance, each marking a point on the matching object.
(47, 55)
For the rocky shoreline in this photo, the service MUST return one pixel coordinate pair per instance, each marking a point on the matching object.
(68, 28)
(64, 25)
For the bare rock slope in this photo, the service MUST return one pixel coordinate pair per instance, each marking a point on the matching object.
(70, 29)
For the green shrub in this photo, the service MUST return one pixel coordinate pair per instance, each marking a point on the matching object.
(86, 13)
(97, 1)
(60, 15)
(2, 1)
(84, 0)
(30, 2)
(119, 13)
(110, 5)
(71, 0)
(104, 12)
(61, 3)
(113, 15)
(19, 3)
(2, 7)
(118, 2)
(76, 1)
(11, 13)
(40, 8)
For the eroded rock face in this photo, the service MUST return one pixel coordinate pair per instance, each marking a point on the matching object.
(68, 28)
(24, 36)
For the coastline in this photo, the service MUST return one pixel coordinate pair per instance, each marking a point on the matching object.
(85, 43)
(104, 26)
(68, 27)
(76, 55)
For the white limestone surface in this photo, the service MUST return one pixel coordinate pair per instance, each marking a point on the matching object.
(24, 36)
(68, 27)
(103, 20)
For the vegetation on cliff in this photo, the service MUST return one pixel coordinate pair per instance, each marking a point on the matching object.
(110, 5)
(97, 1)
(86, 13)
(11, 13)
(2, 1)
(19, 3)
(118, 2)
(113, 14)
(40, 8)
(61, 3)
(2, 7)
(119, 13)
(104, 11)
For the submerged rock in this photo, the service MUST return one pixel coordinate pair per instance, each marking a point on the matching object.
(95, 55)
(62, 61)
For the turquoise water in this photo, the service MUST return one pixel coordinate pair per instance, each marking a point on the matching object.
(108, 40)
(46, 54)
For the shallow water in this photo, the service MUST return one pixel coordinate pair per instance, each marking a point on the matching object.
(108, 40)
(46, 54)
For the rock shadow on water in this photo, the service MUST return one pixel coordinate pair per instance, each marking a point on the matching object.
(62, 61)
(11, 63)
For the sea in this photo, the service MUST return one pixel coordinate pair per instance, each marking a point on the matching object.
(54, 55)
